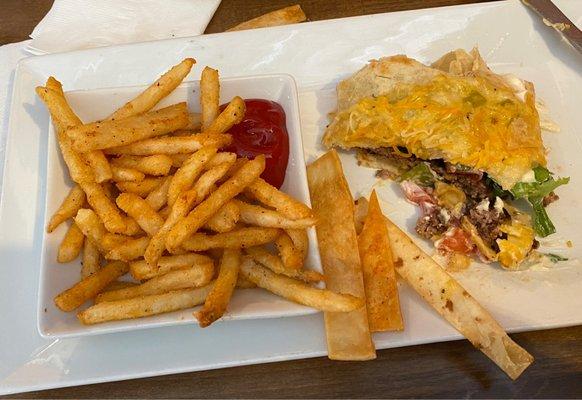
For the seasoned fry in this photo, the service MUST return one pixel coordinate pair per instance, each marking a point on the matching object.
(244, 283)
(100, 165)
(68, 208)
(79, 170)
(156, 165)
(116, 285)
(184, 177)
(282, 202)
(174, 280)
(172, 144)
(274, 263)
(71, 245)
(240, 238)
(455, 304)
(104, 207)
(205, 184)
(225, 218)
(179, 159)
(297, 291)
(284, 16)
(217, 300)
(348, 334)
(260, 216)
(205, 210)
(92, 227)
(144, 306)
(291, 256)
(143, 188)
(158, 197)
(221, 158)
(131, 227)
(130, 250)
(91, 259)
(231, 115)
(194, 122)
(122, 174)
(146, 100)
(139, 209)
(110, 190)
(300, 241)
(90, 286)
(106, 134)
(209, 96)
(142, 270)
(382, 301)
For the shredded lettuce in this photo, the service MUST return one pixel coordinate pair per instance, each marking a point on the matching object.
(555, 257)
(421, 174)
(535, 192)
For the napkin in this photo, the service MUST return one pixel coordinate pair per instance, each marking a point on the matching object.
(82, 24)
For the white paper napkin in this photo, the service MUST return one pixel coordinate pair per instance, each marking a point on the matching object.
(82, 24)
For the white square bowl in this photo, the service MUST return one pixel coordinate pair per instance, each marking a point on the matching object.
(97, 104)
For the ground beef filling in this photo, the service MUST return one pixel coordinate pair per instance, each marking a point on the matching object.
(473, 184)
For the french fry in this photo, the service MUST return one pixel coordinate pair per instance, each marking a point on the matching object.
(71, 245)
(205, 183)
(382, 301)
(104, 207)
(299, 292)
(455, 304)
(79, 170)
(92, 227)
(194, 122)
(260, 216)
(274, 263)
(158, 197)
(132, 228)
(247, 174)
(89, 287)
(68, 208)
(179, 159)
(231, 115)
(156, 165)
(223, 157)
(100, 165)
(172, 145)
(244, 283)
(139, 209)
(300, 241)
(122, 174)
(174, 280)
(91, 259)
(284, 16)
(130, 250)
(217, 300)
(138, 307)
(116, 285)
(225, 219)
(184, 177)
(110, 190)
(291, 256)
(240, 238)
(146, 100)
(141, 270)
(348, 334)
(282, 202)
(209, 96)
(143, 188)
(112, 133)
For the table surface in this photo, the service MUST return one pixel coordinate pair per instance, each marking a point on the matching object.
(450, 370)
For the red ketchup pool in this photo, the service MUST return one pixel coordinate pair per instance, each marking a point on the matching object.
(263, 131)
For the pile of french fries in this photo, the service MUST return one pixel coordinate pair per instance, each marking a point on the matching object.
(154, 197)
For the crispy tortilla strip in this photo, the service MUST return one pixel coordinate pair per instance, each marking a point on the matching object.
(106, 134)
(348, 334)
(284, 16)
(146, 100)
(382, 301)
(144, 306)
(172, 144)
(218, 299)
(297, 291)
(455, 304)
(175, 280)
(68, 208)
(90, 286)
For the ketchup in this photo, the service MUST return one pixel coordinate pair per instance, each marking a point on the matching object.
(263, 131)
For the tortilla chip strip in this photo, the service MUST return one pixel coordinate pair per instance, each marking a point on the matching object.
(284, 16)
(382, 301)
(348, 334)
(455, 304)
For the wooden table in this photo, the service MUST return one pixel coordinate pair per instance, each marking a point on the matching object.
(453, 369)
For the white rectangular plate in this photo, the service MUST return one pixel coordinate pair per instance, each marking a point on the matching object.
(91, 105)
(318, 55)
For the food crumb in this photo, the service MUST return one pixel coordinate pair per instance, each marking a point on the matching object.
(569, 243)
